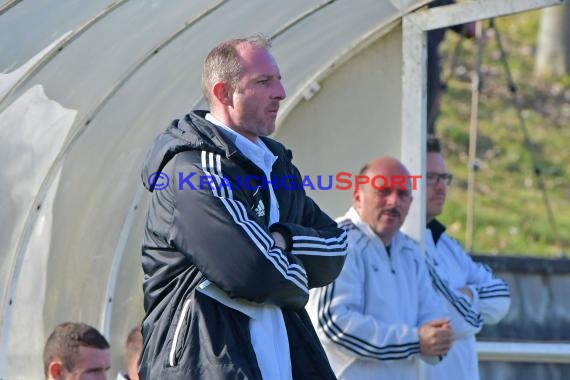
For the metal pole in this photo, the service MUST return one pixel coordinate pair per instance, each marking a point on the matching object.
(474, 123)
(531, 352)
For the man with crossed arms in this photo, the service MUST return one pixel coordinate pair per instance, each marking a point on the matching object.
(472, 294)
(382, 313)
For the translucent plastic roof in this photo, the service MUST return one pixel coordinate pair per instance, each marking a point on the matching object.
(84, 88)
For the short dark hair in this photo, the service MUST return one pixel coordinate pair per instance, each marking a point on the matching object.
(223, 63)
(133, 345)
(64, 342)
(433, 145)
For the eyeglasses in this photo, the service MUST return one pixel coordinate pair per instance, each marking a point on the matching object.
(434, 178)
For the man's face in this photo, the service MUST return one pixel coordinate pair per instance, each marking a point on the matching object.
(436, 189)
(258, 93)
(91, 364)
(384, 210)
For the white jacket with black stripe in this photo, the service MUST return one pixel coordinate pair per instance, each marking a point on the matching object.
(210, 225)
(451, 268)
(368, 318)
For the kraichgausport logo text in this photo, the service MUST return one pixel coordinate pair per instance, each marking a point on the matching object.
(339, 181)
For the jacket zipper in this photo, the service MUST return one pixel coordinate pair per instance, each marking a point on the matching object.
(389, 254)
(171, 357)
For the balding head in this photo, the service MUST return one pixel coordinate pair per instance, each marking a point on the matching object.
(383, 165)
(383, 203)
(225, 63)
(242, 84)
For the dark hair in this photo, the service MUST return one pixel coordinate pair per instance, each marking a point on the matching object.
(433, 145)
(133, 345)
(64, 342)
(223, 63)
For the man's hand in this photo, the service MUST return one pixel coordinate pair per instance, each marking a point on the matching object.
(279, 240)
(435, 337)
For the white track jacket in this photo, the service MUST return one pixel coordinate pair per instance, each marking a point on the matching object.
(367, 320)
(452, 268)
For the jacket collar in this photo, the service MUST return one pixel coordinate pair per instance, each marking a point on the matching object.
(220, 140)
(194, 132)
(437, 229)
(365, 230)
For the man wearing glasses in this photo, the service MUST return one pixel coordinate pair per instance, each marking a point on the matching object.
(473, 295)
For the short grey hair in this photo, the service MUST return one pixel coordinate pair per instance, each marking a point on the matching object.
(223, 63)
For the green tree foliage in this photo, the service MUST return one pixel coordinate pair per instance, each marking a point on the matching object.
(510, 214)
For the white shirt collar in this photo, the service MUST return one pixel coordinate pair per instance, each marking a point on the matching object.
(257, 151)
(367, 230)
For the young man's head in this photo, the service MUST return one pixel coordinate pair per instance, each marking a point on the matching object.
(76, 351)
(437, 179)
(242, 84)
(133, 348)
(383, 204)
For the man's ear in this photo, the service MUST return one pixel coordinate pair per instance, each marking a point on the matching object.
(222, 92)
(356, 197)
(55, 370)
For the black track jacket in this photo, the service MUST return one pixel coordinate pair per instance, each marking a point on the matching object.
(211, 222)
